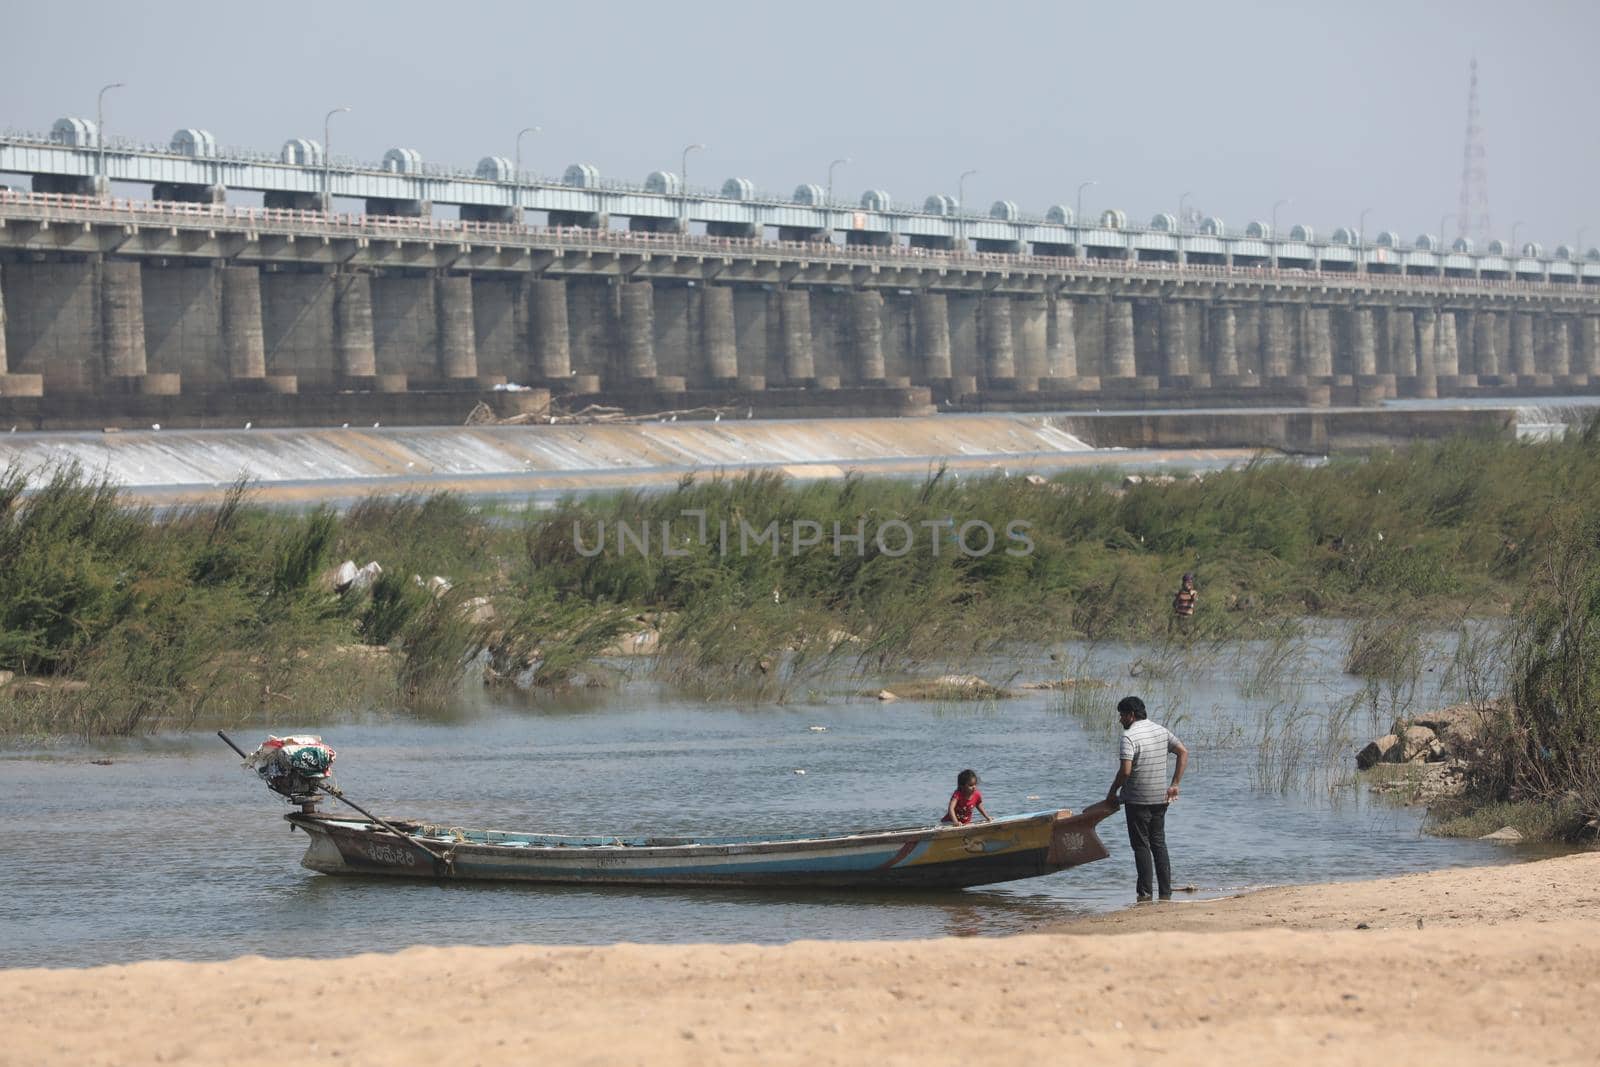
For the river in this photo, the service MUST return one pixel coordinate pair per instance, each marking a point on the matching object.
(171, 850)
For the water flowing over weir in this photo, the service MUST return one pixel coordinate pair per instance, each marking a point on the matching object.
(305, 465)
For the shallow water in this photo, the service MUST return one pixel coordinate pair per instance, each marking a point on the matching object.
(173, 851)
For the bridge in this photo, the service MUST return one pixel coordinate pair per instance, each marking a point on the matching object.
(118, 312)
(194, 168)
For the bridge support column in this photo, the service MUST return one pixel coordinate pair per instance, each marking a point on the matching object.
(1560, 349)
(1174, 344)
(866, 335)
(243, 338)
(717, 329)
(1225, 348)
(1403, 349)
(1524, 360)
(799, 363)
(1447, 356)
(1427, 384)
(639, 333)
(458, 348)
(548, 338)
(122, 322)
(1589, 350)
(1031, 330)
(353, 334)
(14, 384)
(1120, 363)
(1486, 354)
(932, 325)
(1319, 345)
(1274, 344)
(1061, 346)
(752, 339)
(999, 362)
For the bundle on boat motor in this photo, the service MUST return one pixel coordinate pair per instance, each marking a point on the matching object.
(298, 768)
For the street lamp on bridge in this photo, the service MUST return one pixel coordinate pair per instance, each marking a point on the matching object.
(683, 176)
(1077, 219)
(1515, 251)
(327, 159)
(1281, 203)
(1361, 241)
(516, 176)
(961, 206)
(102, 184)
(1181, 215)
(828, 211)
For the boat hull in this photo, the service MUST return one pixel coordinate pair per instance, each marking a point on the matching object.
(1022, 846)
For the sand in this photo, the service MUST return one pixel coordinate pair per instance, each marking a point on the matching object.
(1493, 965)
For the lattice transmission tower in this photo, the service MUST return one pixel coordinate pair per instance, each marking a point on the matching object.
(1472, 217)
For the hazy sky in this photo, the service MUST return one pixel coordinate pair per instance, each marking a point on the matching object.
(1339, 106)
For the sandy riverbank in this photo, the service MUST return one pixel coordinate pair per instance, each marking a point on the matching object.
(1504, 968)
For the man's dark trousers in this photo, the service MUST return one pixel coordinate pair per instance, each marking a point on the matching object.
(1147, 833)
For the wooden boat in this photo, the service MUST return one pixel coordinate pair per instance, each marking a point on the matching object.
(1016, 846)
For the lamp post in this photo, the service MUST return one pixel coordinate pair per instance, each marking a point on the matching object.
(1361, 241)
(327, 160)
(102, 185)
(1515, 251)
(961, 206)
(1577, 246)
(1274, 235)
(683, 176)
(1181, 215)
(1443, 249)
(516, 177)
(827, 213)
(1078, 218)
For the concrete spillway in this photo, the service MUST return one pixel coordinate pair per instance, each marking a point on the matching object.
(169, 465)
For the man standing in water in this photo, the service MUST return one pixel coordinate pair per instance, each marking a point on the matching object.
(1141, 783)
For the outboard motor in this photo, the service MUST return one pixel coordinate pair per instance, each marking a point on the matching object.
(298, 768)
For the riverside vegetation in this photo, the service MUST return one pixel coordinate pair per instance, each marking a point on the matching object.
(116, 620)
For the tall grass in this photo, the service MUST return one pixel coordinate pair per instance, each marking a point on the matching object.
(224, 611)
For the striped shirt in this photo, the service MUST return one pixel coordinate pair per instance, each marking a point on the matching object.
(1146, 743)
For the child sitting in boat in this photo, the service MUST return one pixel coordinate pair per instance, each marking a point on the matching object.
(965, 800)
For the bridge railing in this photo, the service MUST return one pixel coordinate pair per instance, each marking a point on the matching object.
(66, 207)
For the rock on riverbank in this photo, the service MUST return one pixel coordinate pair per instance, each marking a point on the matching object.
(1440, 745)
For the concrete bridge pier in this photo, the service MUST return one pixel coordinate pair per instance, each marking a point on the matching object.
(1030, 338)
(458, 351)
(753, 343)
(1274, 343)
(1061, 349)
(1319, 345)
(1485, 354)
(14, 384)
(551, 349)
(866, 336)
(1588, 362)
(1560, 350)
(1225, 348)
(718, 335)
(1120, 366)
(244, 344)
(1524, 361)
(638, 334)
(999, 354)
(932, 336)
(1174, 345)
(799, 363)
(1447, 357)
(353, 336)
(122, 325)
(1403, 350)
(1427, 384)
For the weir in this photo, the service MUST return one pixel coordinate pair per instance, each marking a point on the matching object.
(109, 304)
